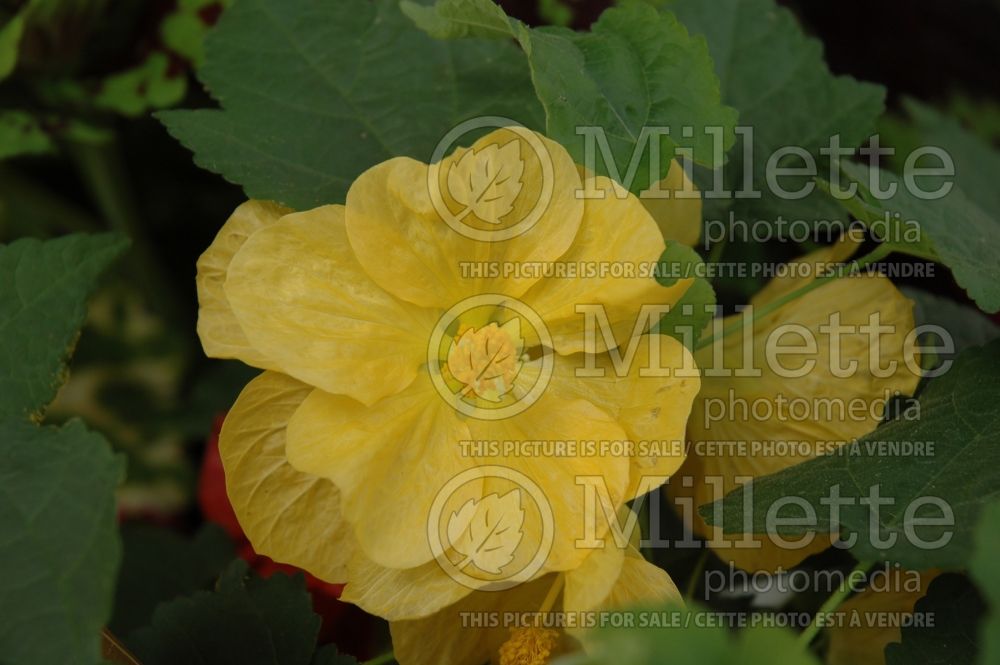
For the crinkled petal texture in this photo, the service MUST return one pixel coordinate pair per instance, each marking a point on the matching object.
(220, 332)
(649, 387)
(390, 460)
(443, 639)
(609, 578)
(289, 516)
(804, 398)
(304, 302)
(675, 205)
(404, 243)
(614, 253)
(415, 440)
(865, 644)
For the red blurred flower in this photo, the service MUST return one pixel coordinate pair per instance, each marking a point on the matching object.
(215, 506)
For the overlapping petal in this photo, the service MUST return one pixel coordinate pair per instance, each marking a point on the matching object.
(648, 388)
(392, 222)
(608, 266)
(675, 205)
(289, 516)
(218, 329)
(389, 460)
(304, 302)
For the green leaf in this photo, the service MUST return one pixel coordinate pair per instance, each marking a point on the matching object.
(985, 570)
(329, 655)
(158, 565)
(959, 416)
(314, 93)
(247, 621)
(688, 638)
(953, 230)
(22, 134)
(955, 607)
(687, 319)
(151, 84)
(10, 43)
(777, 79)
(636, 69)
(976, 162)
(967, 326)
(60, 549)
(42, 306)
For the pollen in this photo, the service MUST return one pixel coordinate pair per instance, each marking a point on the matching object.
(528, 646)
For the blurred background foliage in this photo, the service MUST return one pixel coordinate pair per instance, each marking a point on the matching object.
(80, 151)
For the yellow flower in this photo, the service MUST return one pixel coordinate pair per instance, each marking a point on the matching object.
(878, 612)
(534, 622)
(812, 410)
(335, 455)
(295, 517)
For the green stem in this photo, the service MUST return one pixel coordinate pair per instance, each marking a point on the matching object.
(699, 568)
(874, 256)
(833, 602)
(387, 657)
(102, 171)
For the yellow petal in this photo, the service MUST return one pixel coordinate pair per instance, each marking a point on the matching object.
(675, 205)
(389, 460)
(220, 332)
(865, 644)
(392, 221)
(287, 515)
(617, 245)
(303, 301)
(821, 416)
(448, 637)
(396, 594)
(558, 474)
(653, 408)
(642, 583)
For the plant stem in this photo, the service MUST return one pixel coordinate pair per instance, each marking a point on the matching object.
(102, 171)
(699, 568)
(833, 602)
(874, 256)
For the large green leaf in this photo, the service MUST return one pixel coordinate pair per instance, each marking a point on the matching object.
(985, 567)
(636, 69)
(777, 79)
(60, 548)
(976, 162)
(959, 416)
(955, 607)
(246, 621)
(43, 295)
(687, 637)
(953, 230)
(313, 93)
(158, 565)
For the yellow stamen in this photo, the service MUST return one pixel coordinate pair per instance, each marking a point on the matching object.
(532, 645)
(528, 646)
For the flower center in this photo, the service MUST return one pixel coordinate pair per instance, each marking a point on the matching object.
(487, 360)
(528, 646)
